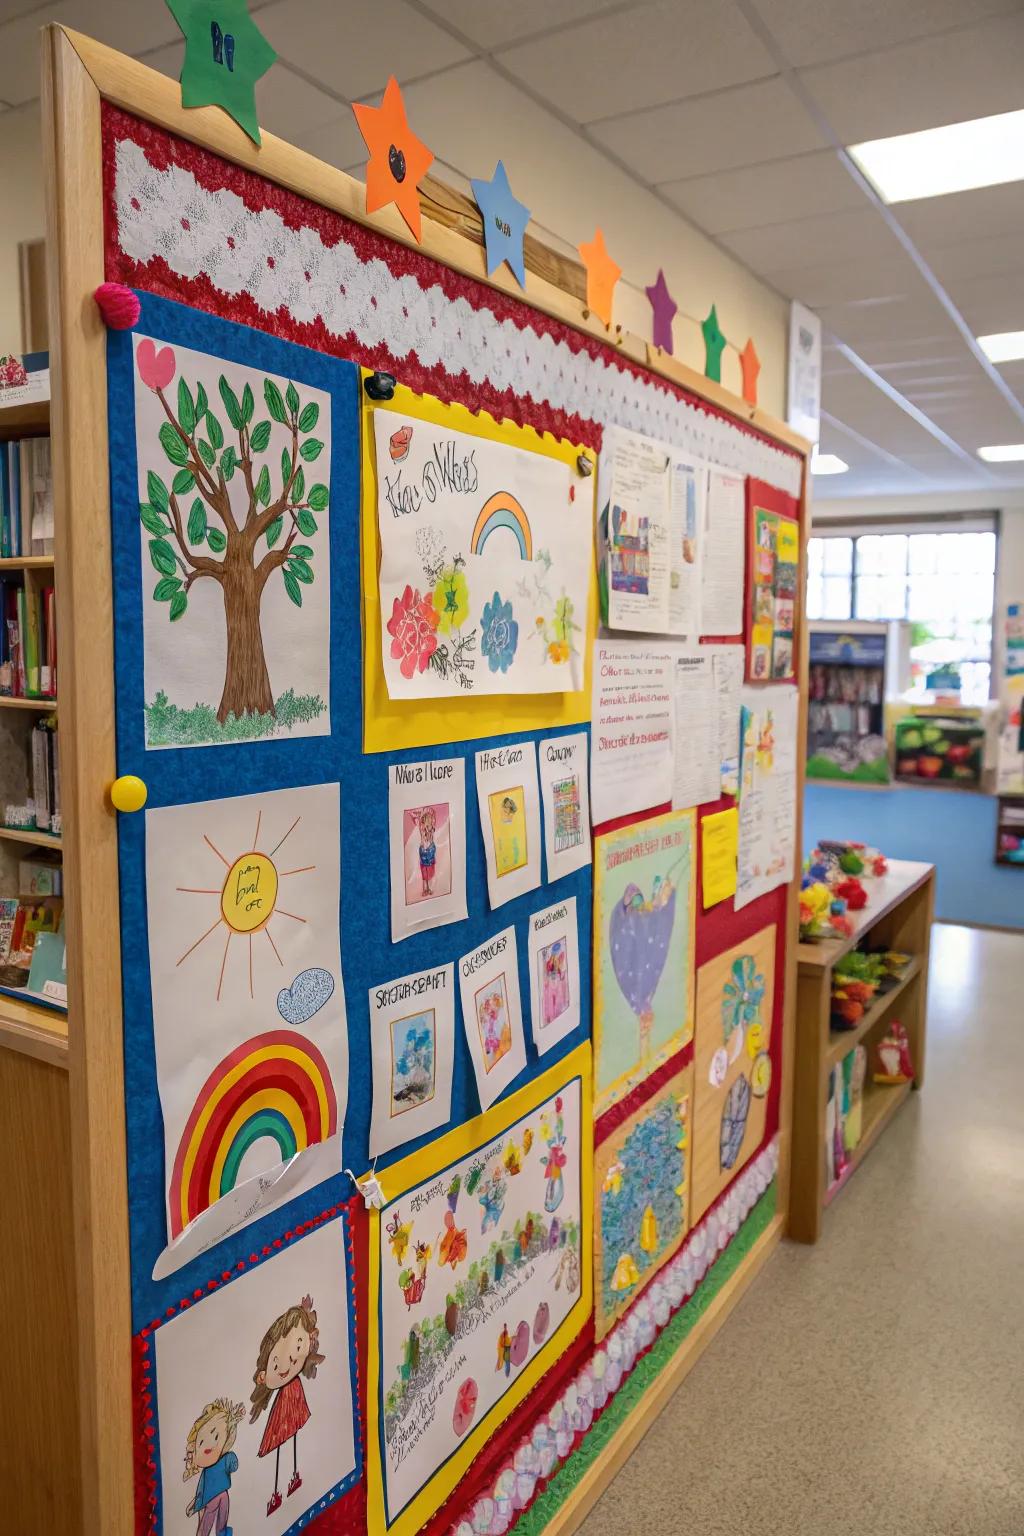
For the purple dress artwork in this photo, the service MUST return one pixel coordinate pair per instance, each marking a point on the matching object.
(640, 933)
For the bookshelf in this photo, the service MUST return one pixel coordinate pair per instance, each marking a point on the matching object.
(25, 579)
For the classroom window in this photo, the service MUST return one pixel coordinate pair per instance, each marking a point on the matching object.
(943, 584)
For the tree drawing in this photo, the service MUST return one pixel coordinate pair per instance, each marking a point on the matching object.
(202, 531)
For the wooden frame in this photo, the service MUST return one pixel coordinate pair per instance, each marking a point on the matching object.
(77, 74)
(899, 916)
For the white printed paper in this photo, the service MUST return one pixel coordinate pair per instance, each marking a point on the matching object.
(485, 560)
(427, 830)
(688, 482)
(492, 1014)
(566, 798)
(554, 973)
(631, 733)
(243, 902)
(728, 664)
(724, 547)
(412, 1046)
(506, 784)
(696, 775)
(208, 1356)
(767, 797)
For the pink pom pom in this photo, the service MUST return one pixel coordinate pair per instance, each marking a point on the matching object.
(118, 305)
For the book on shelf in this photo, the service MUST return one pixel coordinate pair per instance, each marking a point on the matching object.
(24, 379)
(28, 641)
(46, 776)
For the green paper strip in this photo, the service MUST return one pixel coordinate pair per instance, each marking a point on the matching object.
(645, 1372)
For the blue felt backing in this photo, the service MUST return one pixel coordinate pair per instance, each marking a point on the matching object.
(181, 775)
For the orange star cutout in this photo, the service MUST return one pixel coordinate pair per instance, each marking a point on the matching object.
(602, 275)
(398, 159)
(750, 367)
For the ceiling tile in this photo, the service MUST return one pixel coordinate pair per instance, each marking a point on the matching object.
(860, 233)
(987, 213)
(491, 26)
(977, 258)
(946, 79)
(356, 60)
(286, 105)
(815, 31)
(766, 194)
(124, 24)
(695, 138)
(638, 58)
(993, 302)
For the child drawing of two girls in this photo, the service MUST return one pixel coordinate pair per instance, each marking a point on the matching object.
(289, 1352)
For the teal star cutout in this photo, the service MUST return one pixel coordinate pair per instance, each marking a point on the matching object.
(225, 54)
(714, 346)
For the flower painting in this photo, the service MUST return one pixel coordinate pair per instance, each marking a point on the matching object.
(492, 1017)
(485, 554)
(412, 1061)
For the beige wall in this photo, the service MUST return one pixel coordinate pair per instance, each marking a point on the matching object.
(21, 210)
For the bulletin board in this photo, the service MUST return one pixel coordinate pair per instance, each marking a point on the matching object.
(267, 293)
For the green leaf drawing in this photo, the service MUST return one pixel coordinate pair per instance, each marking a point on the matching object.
(309, 418)
(318, 497)
(179, 602)
(173, 446)
(162, 556)
(306, 522)
(275, 403)
(302, 552)
(183, 481)
(274, 531)
(197, 523)
(157, 492)
(292, 587)
(299, 485)
(216, 540)
(229, 462)
(311, 449)
(206, 453)
(231, 404)
(215, 430)
(151, 519)
(248, 405)
(262, 487)
(186, 409)
(303, 571)
(286, 465)
(202, 404)
(291, 396)
(260, 437)
(166, 588)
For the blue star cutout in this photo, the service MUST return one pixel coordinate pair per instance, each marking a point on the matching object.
(505, 220)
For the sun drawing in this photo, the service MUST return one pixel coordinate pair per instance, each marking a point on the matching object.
(248, 898)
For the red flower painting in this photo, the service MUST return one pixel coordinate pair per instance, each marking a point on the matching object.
(412, 627)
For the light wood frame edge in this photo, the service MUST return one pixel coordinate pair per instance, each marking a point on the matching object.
(78, 72)
(84, 583)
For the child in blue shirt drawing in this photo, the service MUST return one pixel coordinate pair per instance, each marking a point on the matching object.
(208, 1453)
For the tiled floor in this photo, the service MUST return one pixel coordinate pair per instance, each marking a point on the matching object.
(874, 1385)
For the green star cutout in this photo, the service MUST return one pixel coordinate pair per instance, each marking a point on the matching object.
(714, 346)
(225, 54)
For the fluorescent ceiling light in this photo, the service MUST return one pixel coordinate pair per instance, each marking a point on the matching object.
(827, 464)
(1003, 347)
(1002, 453)
(985, 152)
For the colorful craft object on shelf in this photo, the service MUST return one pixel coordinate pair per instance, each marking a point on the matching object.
(714, 346)
(225, 55)
(504, 219)
(818, 920)
(398, 159)
(602, 276)
(893, 1064)
(750, 368)
(856, 978)
(663, 312)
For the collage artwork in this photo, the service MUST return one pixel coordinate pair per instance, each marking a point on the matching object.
(430, 1071)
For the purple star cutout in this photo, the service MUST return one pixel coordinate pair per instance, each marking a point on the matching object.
(664, 307)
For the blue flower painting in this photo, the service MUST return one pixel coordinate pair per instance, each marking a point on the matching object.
(499, 634)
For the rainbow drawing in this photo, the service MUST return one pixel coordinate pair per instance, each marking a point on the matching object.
(502, 511)
(274, 1086)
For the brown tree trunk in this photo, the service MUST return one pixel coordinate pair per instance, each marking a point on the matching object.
(246, 679)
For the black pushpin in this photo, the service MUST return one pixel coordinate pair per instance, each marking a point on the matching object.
(380, 386)
(396, 163)
(229, 50)
(585, 466)
(217, 38)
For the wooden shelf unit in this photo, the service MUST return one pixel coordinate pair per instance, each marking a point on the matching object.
(31, 835)
(899, 917)
(29, 420)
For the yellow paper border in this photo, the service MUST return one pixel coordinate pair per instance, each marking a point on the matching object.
(424, 1165)
(389, 725)
(640, 1070)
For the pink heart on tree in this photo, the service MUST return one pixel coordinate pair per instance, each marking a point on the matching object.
(156, 369)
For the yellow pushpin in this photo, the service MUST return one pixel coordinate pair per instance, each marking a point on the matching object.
(128, 793)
